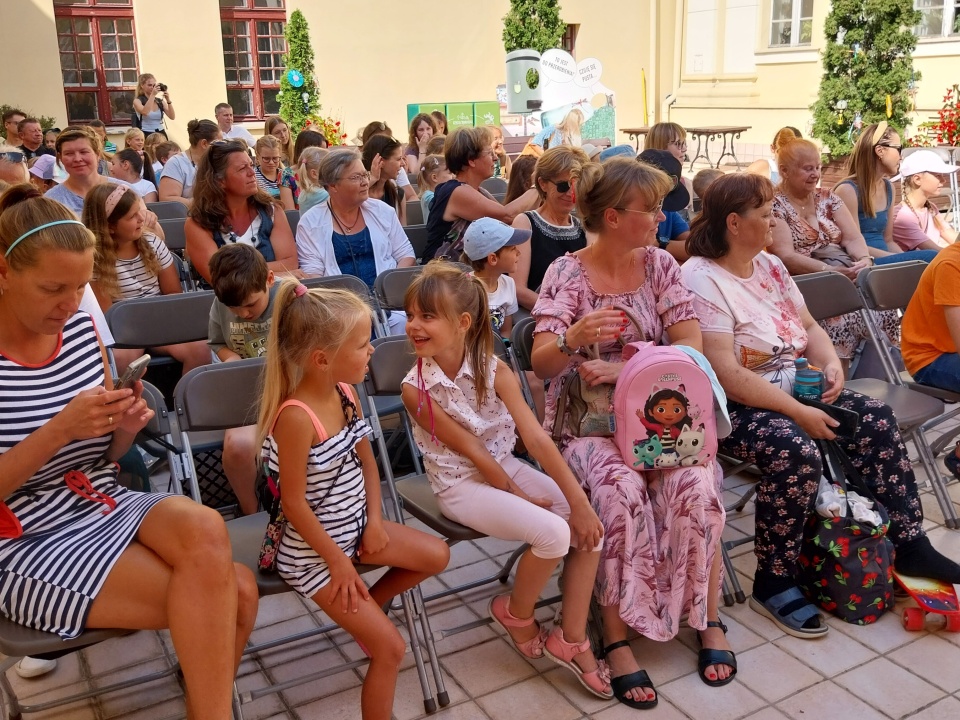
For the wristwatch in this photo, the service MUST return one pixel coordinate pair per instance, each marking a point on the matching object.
(564, 348)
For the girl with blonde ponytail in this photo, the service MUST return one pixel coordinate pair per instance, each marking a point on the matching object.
(467, 407)
(316, 449)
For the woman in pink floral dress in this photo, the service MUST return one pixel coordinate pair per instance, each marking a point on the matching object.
(660, 558)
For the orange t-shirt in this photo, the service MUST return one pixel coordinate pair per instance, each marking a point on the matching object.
(924, 332)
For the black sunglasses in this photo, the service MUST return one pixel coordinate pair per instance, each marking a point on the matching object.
(563, 186)
(14, 156)
(898, 148)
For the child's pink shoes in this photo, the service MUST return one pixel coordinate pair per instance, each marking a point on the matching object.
(563, 653)
(500, 614)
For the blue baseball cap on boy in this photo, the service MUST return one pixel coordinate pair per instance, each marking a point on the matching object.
(487, 235)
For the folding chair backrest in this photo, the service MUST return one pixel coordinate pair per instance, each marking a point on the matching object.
(160, 320)
(828, 294)
(293, 217)
(890, 287)
(183, 273)
(417, 235)
(356, 286)
(168, 209)
(414, 213)
(392, 359)
(160, 422)
(175, 238)
(521, 341)
(494, 185)
(219, 396)
(391, 285)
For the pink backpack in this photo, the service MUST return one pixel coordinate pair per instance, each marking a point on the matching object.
(663, 404)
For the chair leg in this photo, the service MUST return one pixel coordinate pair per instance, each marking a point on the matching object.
(409, 615)
(443, 697)
(237, 708)
(937, 483)
(730, 579)
(10, 699)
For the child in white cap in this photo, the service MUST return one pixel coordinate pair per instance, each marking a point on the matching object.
(490, 247)
(917, 225)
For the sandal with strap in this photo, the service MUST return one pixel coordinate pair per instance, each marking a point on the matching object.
(790, 611)
(563, 653)
(499, 610)
(952, 461)
(708, 656)
(623, 684)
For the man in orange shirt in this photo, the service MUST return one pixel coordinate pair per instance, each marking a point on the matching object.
(930, 329)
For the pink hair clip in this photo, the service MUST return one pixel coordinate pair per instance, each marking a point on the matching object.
(300, 290)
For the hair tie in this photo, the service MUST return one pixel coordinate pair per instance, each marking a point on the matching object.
(114, 198)
(300, 290)
(878, 133)
(28, 233)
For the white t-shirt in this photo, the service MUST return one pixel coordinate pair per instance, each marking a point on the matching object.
(402, 179)
(181, 168)
(89, 305)
(502, 301)
(141, 187)
(240, 133)
(762, 313)
(133, 278)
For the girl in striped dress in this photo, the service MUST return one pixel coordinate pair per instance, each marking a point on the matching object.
(133, 263)
(77, 550)
(315, 442)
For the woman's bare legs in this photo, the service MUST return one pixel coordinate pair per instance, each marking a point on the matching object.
(621, 661)
(179, 574)
(712, 637)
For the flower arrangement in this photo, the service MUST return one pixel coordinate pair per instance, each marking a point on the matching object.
(945, 130)
(328, 127)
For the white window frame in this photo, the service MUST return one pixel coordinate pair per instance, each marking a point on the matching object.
(795, 21)
(951, 9)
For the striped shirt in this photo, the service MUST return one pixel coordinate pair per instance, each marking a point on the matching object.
(134, 280)
(272, 187)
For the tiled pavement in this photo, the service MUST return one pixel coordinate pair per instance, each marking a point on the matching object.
(856, 673)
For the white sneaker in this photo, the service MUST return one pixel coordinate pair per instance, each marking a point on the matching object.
(29, 667)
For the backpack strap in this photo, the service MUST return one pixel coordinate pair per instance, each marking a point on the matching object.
(317, 425)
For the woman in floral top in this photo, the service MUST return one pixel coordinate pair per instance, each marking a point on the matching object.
(814, 225)
(755, 324)
(660, 558)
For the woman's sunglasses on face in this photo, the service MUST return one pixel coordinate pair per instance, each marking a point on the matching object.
(563, 186)
(898, 148)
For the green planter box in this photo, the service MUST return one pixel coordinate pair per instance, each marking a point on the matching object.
(486, 113)
(415, 109)
(459, 115)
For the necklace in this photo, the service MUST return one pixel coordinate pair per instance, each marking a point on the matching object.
(797, 203)
(348, 229)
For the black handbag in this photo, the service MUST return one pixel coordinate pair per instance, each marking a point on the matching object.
(846, 567)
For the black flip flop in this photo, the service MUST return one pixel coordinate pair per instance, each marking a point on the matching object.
(623, 684)
(708, 656)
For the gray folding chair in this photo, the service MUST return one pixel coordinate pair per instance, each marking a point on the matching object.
(168, 209)
(417, 235)
(175, 237)
(414, 213)
(358, 287)
(215, 398)
(494, 186)
(830, 294)
(293, 217)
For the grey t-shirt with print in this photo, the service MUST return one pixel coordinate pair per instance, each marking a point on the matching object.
(247, 338)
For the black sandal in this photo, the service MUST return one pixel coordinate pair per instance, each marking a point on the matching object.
(625, 683)
(708, 656)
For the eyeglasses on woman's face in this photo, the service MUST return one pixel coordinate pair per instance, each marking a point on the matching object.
(898, 148)
(679, 144)
(357, 179)
(653, 213)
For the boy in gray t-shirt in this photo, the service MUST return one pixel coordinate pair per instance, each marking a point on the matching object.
(239, 325)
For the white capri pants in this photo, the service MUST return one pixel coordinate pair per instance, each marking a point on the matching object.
(503, 515)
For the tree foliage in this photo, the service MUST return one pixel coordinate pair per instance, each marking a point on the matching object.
(299, 57)
(867, 57)
(533, 24)
(46, 122)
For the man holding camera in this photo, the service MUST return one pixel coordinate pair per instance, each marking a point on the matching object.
(151, 104)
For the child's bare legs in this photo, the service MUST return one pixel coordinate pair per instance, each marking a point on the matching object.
(714, 638)
(579, 574)
(240, 465)
(412, 556)
(531, 577)
(191, 355)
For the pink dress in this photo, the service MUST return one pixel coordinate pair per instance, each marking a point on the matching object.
(661, 528)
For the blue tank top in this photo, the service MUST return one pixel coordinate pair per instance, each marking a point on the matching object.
(354, 254)
(872, 227)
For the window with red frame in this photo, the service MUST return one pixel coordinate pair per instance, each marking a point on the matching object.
(253, 49)
(569, 40)
(98, 59)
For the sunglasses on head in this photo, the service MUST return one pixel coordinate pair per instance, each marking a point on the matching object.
(14, 156)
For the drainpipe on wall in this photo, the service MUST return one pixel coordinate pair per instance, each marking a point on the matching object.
(671, 98)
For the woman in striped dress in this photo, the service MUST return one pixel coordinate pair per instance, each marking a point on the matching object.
(315, 446)
(78, 551)
(132, 262)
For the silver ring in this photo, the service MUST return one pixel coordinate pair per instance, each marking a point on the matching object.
(109, 419)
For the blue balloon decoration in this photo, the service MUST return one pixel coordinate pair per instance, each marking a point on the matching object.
(295, 78)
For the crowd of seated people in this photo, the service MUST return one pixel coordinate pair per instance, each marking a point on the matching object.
(578, 237)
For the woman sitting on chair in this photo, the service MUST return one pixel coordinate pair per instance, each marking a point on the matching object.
(149, 561)
(229, 207)
(755, 323)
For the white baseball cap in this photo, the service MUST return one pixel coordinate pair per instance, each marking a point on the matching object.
(488, 235)
(925, 161)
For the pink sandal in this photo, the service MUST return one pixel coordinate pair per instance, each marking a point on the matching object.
(563, 653)
(500, 613)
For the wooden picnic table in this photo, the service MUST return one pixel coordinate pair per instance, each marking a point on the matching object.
(635, 134)
(704, 134)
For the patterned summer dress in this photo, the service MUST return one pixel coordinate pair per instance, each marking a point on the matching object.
(845, 331)
(660, 528)
(335, 492)
(71, 537)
